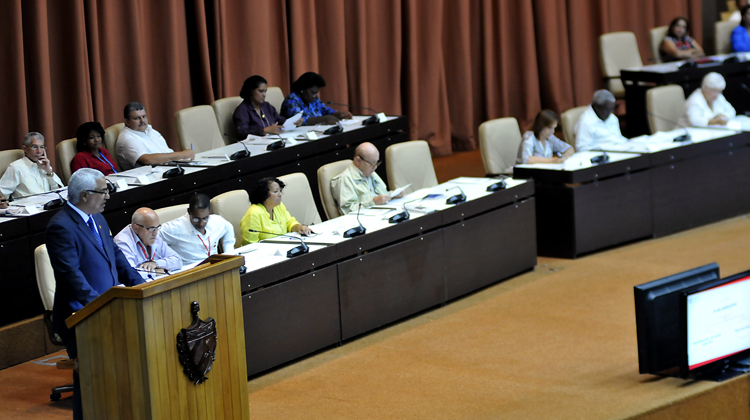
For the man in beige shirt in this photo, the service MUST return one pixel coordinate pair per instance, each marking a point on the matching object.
(32, 174)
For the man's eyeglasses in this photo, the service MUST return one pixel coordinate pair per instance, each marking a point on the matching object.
(373, 165)
(151, 229)
(102, 192)
(37, 147)
(198, 219)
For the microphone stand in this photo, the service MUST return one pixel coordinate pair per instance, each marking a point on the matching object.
(277, 144)
(296, 251)
(603, 158)
(240, 154)
(456, 199)
(683, 138)
(357, 230)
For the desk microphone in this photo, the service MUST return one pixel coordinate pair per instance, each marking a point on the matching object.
(372, 120)
(171, 173)
(456, 199)
(56, 203)
(500, 185)
(603, 158)
(338, 128)
(357, 230)
(280, 144)
(404, 215)
(679, 139)
(240, 154)
(297, 250)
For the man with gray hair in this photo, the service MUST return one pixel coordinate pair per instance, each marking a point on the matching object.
(85, 259)
(707, 105)
(142, 246)
(598, 124)
(32, 174)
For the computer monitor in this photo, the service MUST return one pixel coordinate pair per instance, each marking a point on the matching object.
(657, 317)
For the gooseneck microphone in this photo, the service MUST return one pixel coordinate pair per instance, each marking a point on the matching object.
(603, 158)
(56, 203)
(497, 186)
(679, 139)
(297, 250)
(456, 199)
(280, 144)
(357, 230)
(372, 120)
(240, 154)
(404, 215)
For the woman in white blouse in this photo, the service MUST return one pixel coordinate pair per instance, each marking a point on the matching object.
(540, 144)
(706, 105)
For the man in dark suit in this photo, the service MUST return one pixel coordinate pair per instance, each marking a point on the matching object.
(84, 257)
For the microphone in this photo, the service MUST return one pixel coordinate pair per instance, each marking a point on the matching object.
(686, 136)
(357, 230)
(335, 129)
(173, 172)
(404, 215)
(372, 120)
(241, 154)
(297, 250)
(456, 199)
(56, 203)
(603, 158)
(500, 185)
(277, 144)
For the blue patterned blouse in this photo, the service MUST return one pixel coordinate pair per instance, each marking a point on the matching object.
(294, 104)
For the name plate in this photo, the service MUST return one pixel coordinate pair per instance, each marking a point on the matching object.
(382, 118)
(143, 180)
(122, 184)
(311, 135)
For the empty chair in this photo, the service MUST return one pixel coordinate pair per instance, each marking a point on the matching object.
(111, 134)
(232, 205)
(618, 50)
(722, 37)
(499, 140)
(325, 173)
(224, 110)
(656, 35)
(170, 213)
(298, 198)
(569, 120)
(275, 97)
(65, 151)
(7, 157)
(665, 105)
(197, 129)
(410, 163)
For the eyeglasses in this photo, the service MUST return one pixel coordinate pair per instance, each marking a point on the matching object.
(199, 219)
(373, 165)
(102, 192)
(37, 147)
(151, 229)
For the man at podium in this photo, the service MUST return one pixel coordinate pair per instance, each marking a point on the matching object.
(84, 257)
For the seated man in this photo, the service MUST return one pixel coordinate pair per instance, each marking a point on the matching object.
(196, 235)
(142, 246)
(139, 144)
(359, 184)
(32, 174)
(598, 124)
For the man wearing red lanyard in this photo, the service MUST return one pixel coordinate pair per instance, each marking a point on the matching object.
(144, 249)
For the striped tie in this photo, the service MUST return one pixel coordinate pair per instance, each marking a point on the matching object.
(93, 230)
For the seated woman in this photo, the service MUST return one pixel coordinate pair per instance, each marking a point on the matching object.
(678, 44)
(741, 35)
(91, 154)
(706, 105)
(254, 115)
(304, 98)
(267, 214)
(540, 144)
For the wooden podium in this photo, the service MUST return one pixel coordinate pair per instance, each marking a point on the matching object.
(128, 358)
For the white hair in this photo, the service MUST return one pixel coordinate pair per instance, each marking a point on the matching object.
(33, 135)
(82, 180)
(714, 80)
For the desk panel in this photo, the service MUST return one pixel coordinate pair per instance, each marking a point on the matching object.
(18, 282)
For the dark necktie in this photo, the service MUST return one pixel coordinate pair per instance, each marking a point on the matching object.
(93, 230)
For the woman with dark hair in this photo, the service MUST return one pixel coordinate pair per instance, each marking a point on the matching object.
(91, 154)
(741, 35)
(304, 99)
(540, 144)
(678, 44)
(267, 214)
(254, 115)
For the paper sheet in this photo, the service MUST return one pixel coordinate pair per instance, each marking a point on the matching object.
(398, 191)
(289, 124)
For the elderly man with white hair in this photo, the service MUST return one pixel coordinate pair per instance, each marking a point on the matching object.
(706, 105)
(32, 174)
(598, 124)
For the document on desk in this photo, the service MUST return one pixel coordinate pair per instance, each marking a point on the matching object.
(290, 122)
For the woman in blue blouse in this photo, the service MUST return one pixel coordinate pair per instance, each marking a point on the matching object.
(540, 144)
(304, 98)
(741, 34)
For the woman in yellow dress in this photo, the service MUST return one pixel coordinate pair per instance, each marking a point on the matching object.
(267, 214)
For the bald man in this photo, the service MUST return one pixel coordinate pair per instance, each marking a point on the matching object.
(598, 124)
(359, 183)
(142, 246)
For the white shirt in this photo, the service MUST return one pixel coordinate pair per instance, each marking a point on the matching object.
(193, 247)
(591, 130)
(24, 177)
(132, 144)
(697, 113)
(735, 17)
(135, 251)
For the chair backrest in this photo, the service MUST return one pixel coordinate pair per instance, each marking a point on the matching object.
(7, 157)
(66, 149)
(656, 36)
(618, 50)
(170, 213)
(110, 139)
(298, 198)
(45, 276)
(275, 97)
(197, 128)
(569, 120)
(232, 205)
(499, 140)
(668, 102)
(410, 163)
(722, 36)
(325, 173)
(224, 110)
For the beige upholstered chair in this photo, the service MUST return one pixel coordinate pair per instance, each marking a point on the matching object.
(110, 140)
(298, 199)
(569, 120)
(325, 173)
(232, 205)
(618, 50)
(66, 149)
(275, 97)
(499, 140)
(722, 35)
(668, 102)
(656, 35)
(224, 110)
(7, 157)
(197, 128)
(410, 163)
(170, 213)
